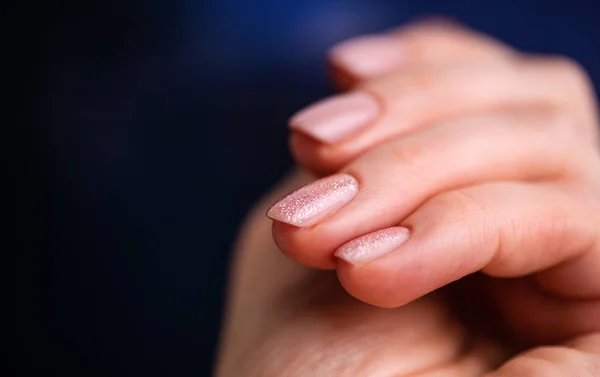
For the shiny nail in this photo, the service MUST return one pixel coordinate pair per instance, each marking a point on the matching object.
(368, 56)
(316, 201)
(336, 118)
(372, 245)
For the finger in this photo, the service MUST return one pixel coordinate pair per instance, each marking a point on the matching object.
(479, 357)
(394, 179)
(503, 229)
(292, 312)
(250, 298)
(536, 314)
(430, 42)
(328, 135)
(580, 357)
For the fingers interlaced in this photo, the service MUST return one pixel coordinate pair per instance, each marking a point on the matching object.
(391, 181)
(454, 154)
(504, 229)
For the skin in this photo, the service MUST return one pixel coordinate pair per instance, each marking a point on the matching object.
(499, 276)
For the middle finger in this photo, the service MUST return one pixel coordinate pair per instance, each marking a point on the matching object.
(333, 132)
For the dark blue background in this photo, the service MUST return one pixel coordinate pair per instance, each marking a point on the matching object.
(160, 122)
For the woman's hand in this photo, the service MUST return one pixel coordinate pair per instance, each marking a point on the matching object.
(456, 155)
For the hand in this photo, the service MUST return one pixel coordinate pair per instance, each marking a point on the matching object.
(458, 156)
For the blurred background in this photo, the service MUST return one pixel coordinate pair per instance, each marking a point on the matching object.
(161, 122)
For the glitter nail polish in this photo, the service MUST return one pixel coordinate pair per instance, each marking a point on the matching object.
(312, 203)
(372, 245)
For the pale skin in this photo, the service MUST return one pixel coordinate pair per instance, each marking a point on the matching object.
(490, 157)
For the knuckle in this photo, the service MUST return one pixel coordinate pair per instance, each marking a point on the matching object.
(404, 89)
(568, 76)
(458, 206)
(579, 87)
(571, 135)
(562, 125)
(419, 85)
(433, 32)
(569, 66)
(571, 72)
(410, 155)
(560, 121)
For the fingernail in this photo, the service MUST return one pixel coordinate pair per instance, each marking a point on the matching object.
(335, 118)
(311, 203)
(372, 245)
(367, 56)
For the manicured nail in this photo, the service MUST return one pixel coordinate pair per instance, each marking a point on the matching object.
(311, 203)
(335, 118)
(367, 56)
(372, 245)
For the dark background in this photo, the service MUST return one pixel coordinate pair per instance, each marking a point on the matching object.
(158, 123)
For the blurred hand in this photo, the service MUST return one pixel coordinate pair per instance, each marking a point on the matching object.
(467, 200)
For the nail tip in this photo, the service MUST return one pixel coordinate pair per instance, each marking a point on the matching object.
(367, 55)
(372, 245)
(341, 255)
(295, 120)
(275, 214)
(269, 215)
(312, 203)
(297, 126)
(335, 118)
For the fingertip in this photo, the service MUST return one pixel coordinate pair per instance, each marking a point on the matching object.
(391, 267)
(366, 56)
(377, 269)
(367, 285)
(301, 246)
(434, 21)
(314, 156)
(370, 246)
(340, 77)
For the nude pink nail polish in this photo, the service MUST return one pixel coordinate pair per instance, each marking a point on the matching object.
(316, 201)
(368, 55)
(335, 118)
(372, 245)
